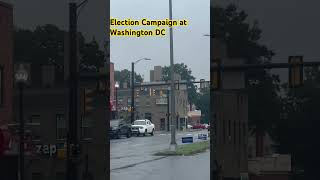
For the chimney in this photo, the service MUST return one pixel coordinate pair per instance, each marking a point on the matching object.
(157, 73)
(151, 75)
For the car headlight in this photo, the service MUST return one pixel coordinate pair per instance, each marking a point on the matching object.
(140, 127)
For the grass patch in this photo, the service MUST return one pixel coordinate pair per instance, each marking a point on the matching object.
(186, 150)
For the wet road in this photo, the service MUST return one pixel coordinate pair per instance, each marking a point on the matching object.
(133, 159)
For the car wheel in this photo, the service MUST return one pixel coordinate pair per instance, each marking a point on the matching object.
(145, 133)
(152, 132)
(128, 134)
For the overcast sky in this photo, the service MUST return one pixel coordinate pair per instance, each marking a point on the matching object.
(92, 19)
(190, 46)
(290, 27)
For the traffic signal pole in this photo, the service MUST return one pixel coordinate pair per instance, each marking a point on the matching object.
(132, 92)
(73, 143)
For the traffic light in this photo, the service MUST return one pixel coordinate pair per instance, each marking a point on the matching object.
(215, 78)
(177, 85)
(296, 72)
(102, 85)
(202, 85)
(153, 92)
(88, 100)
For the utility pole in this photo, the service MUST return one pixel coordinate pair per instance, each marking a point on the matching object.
(117, 112)
(73, 143)
(168, 109)
(132, 92)
(173, 144)
(21, 131)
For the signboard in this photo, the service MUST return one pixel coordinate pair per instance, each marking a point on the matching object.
(187, 139)
(161, 101)
(202, 136)
(51, 150)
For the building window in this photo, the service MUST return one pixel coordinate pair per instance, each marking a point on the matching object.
(162, 124)
(229, 129)
(224, 132)
(235, 131)
(1, 86)
(35, 119)
(86, 128)
(61, 127)
(148, 116)
(239, 127)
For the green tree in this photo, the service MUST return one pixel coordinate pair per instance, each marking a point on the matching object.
(125, 76)
(242, 40)
(296, 134)
(203, 104)
(45, 45)
(186, 74)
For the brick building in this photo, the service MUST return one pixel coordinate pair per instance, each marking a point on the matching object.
(6, 60)
(151, 102)
(231, 118)
(46, 117)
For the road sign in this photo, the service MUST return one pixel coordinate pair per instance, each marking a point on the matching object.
(203, 136)
(187, 139)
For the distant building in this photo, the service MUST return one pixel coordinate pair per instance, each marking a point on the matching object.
(151, 102)
(194, 117)
(156, 74)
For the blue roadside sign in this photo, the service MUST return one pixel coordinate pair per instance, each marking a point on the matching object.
(187, 139)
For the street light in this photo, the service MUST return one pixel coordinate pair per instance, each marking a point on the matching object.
(132, 86)
(21, 77)
(208, 35)
(116, 88)
(73, 136)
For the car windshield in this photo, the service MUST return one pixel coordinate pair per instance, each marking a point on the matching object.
(139, 123)
(114, 123)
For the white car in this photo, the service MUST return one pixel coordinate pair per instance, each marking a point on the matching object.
(143, 126)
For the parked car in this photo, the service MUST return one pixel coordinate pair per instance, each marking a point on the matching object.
(199, 126)
(206, 126)
(143, 126)
(189, 126)
(118, 128)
